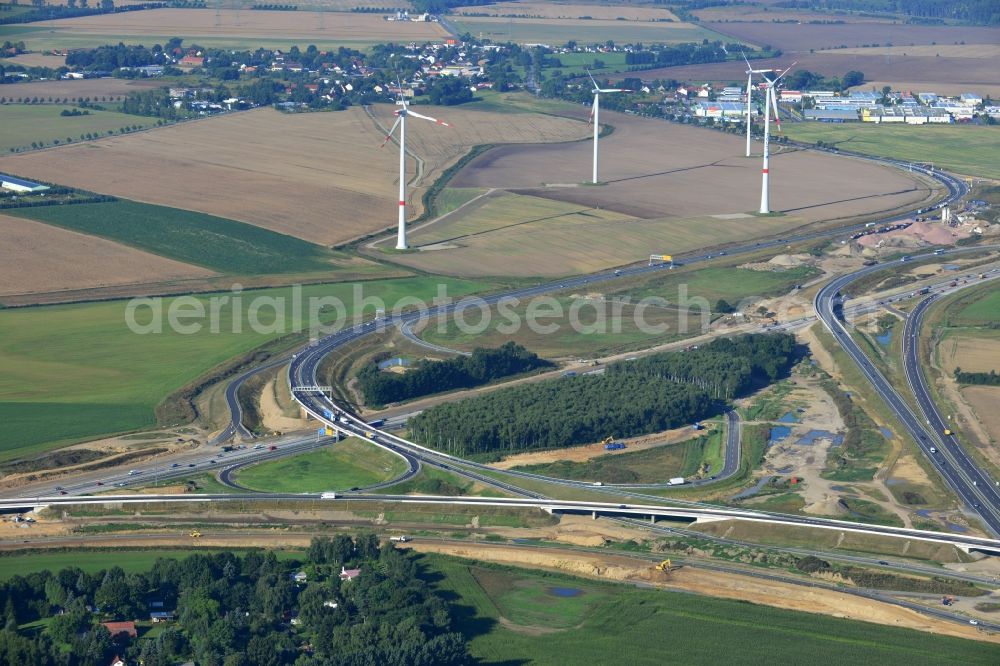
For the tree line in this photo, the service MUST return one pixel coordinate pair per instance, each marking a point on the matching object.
(990, 378)
(483, 366)
(237, 610)
(631, 398)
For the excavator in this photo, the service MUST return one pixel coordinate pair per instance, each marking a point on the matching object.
(666, 566)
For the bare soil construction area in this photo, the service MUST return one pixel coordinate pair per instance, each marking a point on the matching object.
(317, 176)
(36, 257)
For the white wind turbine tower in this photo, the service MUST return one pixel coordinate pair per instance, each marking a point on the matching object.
(769, 98)
(401, 114)
(750, 72)
(595, 112)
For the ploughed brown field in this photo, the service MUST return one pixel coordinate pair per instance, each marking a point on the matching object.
(570, 10)
(917, 73)
(37, 258)
(74, 90)
(794, 38)
(667, 188)
(317, 176)
(656, 169)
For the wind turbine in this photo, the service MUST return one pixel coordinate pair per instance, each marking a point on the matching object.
(769, 97)
(401, 114)
(750, 72)
(595, 112)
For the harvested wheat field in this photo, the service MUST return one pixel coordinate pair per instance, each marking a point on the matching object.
(198, 25)
(573, 10)
(668, 189)
(983, 401)
(36, 258)
(318, 176)
(972, 353)
(75, 90)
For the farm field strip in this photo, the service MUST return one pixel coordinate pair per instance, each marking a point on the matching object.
(557, 32)
(22, 125)
(36, 257)
(570, 10)
(349, 197)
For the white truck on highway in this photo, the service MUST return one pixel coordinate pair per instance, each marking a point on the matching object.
(328, 496)
(399, 539)
(676, 481)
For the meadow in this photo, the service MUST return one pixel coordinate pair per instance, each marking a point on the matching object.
(77, 371)
(515, 616)
(22, 125)
(204, 240)
(965, 149)
(598, 336)
(654, 465)
(341, 466)
(92, 561)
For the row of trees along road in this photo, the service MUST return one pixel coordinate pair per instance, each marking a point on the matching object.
(237, 610)
(631, 398)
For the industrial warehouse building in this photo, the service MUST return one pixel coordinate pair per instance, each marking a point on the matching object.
(20, 185)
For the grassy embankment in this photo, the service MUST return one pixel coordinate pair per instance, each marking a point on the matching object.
(77, 371)
(341, 466)
(965, 149)
(511, 615)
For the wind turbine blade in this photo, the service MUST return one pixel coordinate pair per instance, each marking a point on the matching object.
(593, 109)
(433, 120)
(592, 78)
(774, 103)
(749, 68)
(610, 90)
(785, 72)
(388, 136)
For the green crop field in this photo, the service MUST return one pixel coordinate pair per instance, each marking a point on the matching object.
(24, 124)
(981, 308)
(655, 465)
(341, 466)
(964, 149)
(607, 623)
(222, 245)
(73, 371)
(598, 334)
(557, 32)
(92, 561)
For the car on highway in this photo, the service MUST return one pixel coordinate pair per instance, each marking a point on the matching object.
(192, 464)
(175, 465)
(100, 483)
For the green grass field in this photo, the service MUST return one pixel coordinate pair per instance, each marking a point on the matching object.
(557, 32)
(655, 465)
(341, 466)
(607, 623)
(599, 334)
(222, 245)
(979, 308)
(92, 561)
(76, 371)
(964, 149)
(24, 124)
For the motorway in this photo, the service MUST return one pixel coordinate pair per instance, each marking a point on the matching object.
(974, 487)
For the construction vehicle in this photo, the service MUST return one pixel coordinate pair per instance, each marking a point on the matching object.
(666, 566)
(195, 534)
(947, 431)
(369, 434)
(608, 440)
(947, 600)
